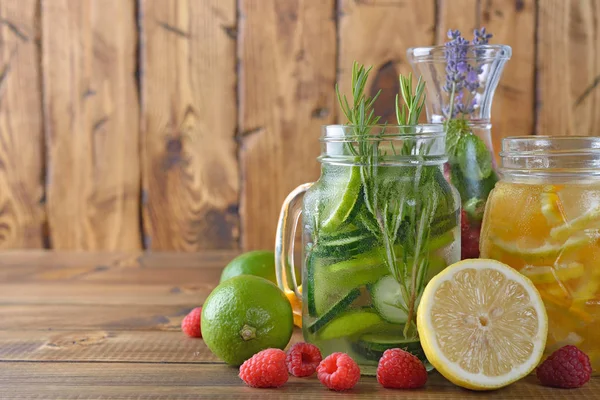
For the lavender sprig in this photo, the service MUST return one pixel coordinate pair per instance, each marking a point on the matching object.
(460, 75)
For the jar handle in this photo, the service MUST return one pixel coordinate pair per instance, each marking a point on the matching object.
(284, 240)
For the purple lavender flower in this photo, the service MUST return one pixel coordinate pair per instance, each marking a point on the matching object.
(460, 75)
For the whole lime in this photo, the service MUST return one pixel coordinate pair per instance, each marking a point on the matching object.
(258, 263)
(244, 315)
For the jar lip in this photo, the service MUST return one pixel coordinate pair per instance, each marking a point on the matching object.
(479, 52)
(566, 156)
(346, 132)
(536, 145)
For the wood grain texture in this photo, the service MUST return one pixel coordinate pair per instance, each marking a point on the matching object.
(513, 110)
(76, 317)
(287, 76)
(101, 293)
(377, 33)
(104, 346)
(91, 117)
(568, 64)
(83, 380)
(107, 268)
(463, 15)
(190, 170)
(22, 212)
(87, 347)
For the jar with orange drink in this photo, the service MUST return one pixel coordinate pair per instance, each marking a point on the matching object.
(543, 219)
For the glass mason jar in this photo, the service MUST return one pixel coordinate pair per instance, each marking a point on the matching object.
(543, 219)
(379, 223)
(461, 82)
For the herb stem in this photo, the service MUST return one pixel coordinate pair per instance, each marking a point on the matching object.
(451, 108)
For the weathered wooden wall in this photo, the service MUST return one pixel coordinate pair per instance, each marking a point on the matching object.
(182, 124)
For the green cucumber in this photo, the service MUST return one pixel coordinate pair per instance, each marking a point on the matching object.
(349, 323)
(334, 311)
(345, 244)
(309, 286)
(333, 281)
(373, 345)
(388, 301)
(387, 295)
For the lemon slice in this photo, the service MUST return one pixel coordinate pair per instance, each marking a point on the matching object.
(482, 324)
(296, 305)
(560, 273)
(589, 220)
(552, 208)
(545, 254)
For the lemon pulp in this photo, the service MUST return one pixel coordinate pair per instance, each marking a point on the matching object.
(482, 324)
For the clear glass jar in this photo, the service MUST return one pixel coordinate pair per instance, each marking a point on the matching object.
(461, 82)
(379, 223)
(543, 219)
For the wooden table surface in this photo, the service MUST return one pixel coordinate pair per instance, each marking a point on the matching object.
(81, 325)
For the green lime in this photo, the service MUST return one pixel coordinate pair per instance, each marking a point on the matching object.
(338, 210)
(244, 315)
(258, 263)
(349, 323)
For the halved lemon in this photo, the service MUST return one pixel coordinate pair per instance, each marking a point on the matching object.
(482, 324)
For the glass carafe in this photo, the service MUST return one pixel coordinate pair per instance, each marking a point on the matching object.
(461, 82)
(543, 219)
(379, 223)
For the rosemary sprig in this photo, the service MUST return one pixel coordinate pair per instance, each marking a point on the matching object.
(396, 209)
(415, 263)
(408, 112)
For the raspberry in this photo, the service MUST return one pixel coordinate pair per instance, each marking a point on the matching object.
(338, 372)
(265, 369)
(568, 367)
(191, 323)
(303, 359)
(398, 369)
(469, 238)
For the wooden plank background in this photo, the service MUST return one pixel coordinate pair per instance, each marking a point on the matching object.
(182, 125)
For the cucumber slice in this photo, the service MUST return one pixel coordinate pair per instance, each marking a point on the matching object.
(345, 244)
(346, 189)
(349, 323)
(334, 311)
(372, 345)
(388, 300)
(333, 281)
(309, 287)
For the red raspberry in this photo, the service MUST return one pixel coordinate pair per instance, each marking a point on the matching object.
(568, 367)
(191, 323)
(338, 371)
(398, 369)
(469, 238)
(303, 359)
(265, 369)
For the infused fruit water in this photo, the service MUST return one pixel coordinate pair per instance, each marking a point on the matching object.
(355, 299)
(551, 234)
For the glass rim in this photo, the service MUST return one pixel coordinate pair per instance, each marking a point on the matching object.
(551, 156)
(339, 132)
(542, 145)
(435, 53)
